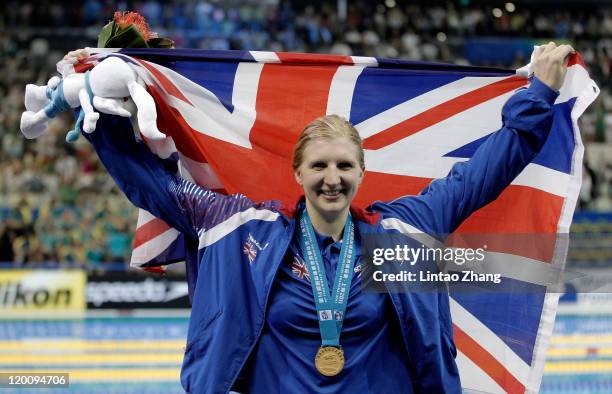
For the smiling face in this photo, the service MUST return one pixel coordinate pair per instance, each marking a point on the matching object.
(330, 173)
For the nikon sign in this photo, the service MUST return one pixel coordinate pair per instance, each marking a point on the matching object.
(41, 293)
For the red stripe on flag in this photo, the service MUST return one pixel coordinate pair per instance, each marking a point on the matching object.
(506, 215)
(576, 58)
(378, 186)
(161, 270)
(486, 362)
(441, 112)
(82, 66)
(544, 208)
(163, 81)
(148, 231)
(289, 97)
(313, 58)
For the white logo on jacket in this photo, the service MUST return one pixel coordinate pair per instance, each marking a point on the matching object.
(251, 247)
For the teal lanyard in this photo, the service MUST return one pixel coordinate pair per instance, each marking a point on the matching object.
(330, 307)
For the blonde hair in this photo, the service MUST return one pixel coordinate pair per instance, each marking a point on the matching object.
(329, 126)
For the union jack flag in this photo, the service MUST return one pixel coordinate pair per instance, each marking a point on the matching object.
(234, 112)
(249, 250)
(299, 269)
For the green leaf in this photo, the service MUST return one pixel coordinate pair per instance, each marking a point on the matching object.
(106, 33)
(128, 37)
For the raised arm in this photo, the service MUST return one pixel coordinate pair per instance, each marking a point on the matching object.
(526, 121)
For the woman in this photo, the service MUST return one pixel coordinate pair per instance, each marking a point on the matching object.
(255, 324)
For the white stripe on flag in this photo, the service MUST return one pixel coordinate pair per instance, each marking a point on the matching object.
(547, 323)
(106, 51)
(341, 90)
(200, 173)
(365, 60)
(544, 178)
(153, 247)
(470, 372)
(576, 81)
(265, 57)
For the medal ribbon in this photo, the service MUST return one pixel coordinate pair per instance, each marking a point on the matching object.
(330, 307)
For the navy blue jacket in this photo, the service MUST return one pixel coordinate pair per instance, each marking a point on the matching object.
(231, 294)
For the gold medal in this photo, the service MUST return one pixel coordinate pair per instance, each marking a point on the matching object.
(329, 360)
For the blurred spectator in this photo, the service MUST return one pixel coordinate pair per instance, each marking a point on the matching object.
(7, 237)
(589, 188)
